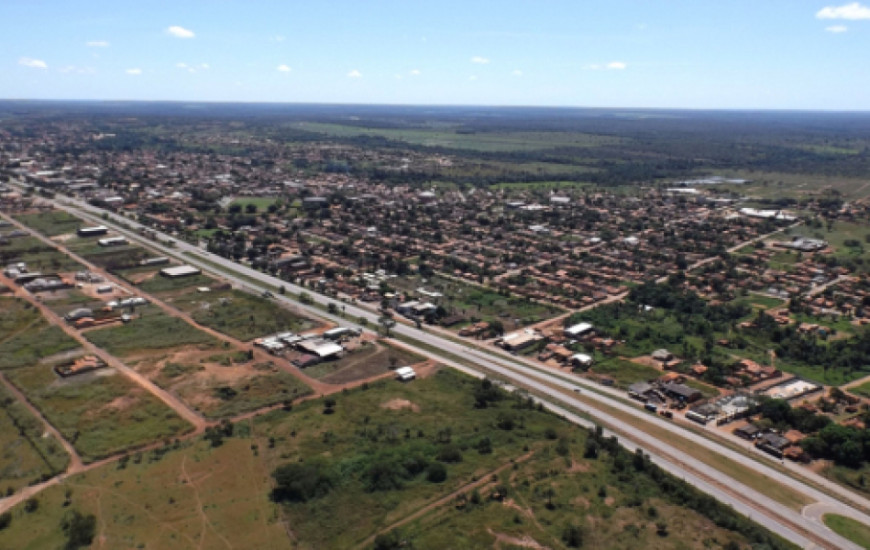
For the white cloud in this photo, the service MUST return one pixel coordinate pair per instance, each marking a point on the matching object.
(517, 72)
(479, 60)
(284, 68)
(593, 67)
(180, 32)
(354, 74)
(472, 77)
(97, 44)
(852, 12)
(204, 66)
(836, 29)
(134, 71)
(616, 65)
(32, 63)
(277, 38)
(181, 65)
(415, 72)
(398, 77)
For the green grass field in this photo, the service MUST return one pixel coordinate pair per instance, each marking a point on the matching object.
(153, 330)
(625, 373)
(55, 222)
(100, 413)
(37, 255)
(26, 456)
(25, 337)
(484, 141)
(240, 314)
(160, 284)
(197, 495)
(855, 531)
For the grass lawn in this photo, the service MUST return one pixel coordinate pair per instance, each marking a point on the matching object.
(25, 455)
(153, 330)
(239, 314)
(623, 372)
(54, 222)
(849, 528)
(159, 283)
(863, 389)
(25, 337)
(100, 413)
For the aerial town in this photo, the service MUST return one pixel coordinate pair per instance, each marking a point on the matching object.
(227, 287)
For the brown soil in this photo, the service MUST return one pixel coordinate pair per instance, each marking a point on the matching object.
(399, 404)
(524, 542)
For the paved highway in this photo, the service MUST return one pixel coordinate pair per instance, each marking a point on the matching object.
(747, 500)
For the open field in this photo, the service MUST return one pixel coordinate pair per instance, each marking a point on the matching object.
(150, 331)
(100, 413)
(26, 455)
(52, 223)
(511, 471)
(37, 255)
(240, 314)
(159, 284)
(863, 389)
(25, 337)
(853, 530)
(218, 384)
(365, 362)
(450, 138)
(623, 372)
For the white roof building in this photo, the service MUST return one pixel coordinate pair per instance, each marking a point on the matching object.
(405, 374)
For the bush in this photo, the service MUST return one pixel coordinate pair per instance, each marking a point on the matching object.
(572, 536)
(79, 529)
(301, 482)
(436, 472)
(5, 520)
(450, 454)
(31, 505)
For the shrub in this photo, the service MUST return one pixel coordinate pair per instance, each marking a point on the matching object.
(450, 454)
(79, 529)
(436, 473)
(301, 482)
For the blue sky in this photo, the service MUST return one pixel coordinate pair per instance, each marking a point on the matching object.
(740, 54)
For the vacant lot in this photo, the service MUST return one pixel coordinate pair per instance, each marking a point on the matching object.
(160, 284)
(55, 222)
(100, 413)
(153, 330)
(26, 456)
(377, 459)
(239, 314)
(37, 255)
(219, 384)
(25, 337)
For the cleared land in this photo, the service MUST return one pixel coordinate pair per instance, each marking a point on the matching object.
(27, 455)
(153, 330)
(239, 314)
(25, 337)
(373, 458)
(100, 413)
(52, 223)
(364, 362)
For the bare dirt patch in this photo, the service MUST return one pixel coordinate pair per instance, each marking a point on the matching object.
(524, 542)
(578, 467)
(398, 404)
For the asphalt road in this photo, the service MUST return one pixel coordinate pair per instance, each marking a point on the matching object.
(747, 500)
